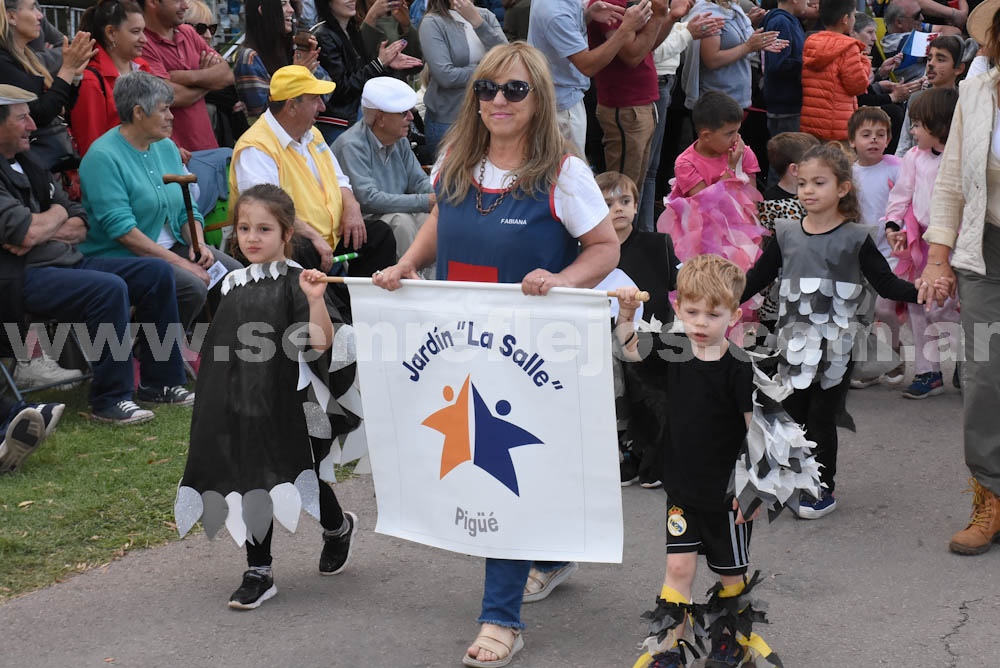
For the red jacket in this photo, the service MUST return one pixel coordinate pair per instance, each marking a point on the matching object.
(94, 112)
(835, 71)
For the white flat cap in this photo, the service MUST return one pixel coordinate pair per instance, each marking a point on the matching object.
(14, 95)
(388, 94)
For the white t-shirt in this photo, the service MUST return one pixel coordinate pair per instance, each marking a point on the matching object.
(579, 203)
(476, 48)
(873, 184)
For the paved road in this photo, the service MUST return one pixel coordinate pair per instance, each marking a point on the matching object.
(872, 584)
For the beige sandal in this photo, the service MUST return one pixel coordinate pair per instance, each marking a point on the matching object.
(505, 652)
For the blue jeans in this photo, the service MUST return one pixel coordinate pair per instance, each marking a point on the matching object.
(330, 132)
(434, 132)
(644, 221)
(503, 589)
(212, 169)
(99, 291)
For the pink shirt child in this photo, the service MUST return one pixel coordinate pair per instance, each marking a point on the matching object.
(692, 168)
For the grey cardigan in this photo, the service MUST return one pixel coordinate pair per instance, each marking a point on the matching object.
(446, 53)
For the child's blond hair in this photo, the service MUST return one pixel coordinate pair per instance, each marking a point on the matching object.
(712, 278)
(609, 182)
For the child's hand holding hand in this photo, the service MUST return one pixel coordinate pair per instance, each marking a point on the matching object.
(313, 283)
(897, 239)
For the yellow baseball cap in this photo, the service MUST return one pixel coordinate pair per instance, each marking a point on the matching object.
(294, 80)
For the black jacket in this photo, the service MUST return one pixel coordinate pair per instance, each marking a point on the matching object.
(342, 55)
(51, 103)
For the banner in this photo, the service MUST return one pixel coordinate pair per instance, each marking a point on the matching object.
(490, 418)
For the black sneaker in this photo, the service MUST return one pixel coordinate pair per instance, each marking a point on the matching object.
(726, 653)
(256, 589)
(124, 412)
(51, 413)
(177, 395)
(25, 433)
(337, 550)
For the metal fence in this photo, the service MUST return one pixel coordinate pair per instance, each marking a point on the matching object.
(66, 19)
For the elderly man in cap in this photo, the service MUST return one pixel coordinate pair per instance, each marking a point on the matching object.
(283, 148)
(43, 273)
(386, 176)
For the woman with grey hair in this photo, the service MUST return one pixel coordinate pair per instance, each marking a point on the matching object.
(131, 211)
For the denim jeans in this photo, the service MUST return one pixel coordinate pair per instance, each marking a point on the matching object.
(504, 588)
(434, 132)
(99, 291)
(647, 189)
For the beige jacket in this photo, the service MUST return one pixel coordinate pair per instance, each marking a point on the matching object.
(958, 209)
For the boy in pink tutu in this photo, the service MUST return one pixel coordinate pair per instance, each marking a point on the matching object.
(713, 205)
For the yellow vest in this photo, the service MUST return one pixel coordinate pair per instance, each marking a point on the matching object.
(316, 202)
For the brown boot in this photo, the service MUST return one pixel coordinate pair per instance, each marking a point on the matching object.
(984, 525)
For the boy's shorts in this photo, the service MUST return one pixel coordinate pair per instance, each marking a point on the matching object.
(725, 544)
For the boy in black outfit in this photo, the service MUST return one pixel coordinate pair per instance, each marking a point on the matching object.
(649, 260)
(710, 383)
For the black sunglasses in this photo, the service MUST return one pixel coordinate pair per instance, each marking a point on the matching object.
(202, 27)
(513, 91)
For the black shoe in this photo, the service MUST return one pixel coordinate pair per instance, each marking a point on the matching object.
(24, 434)
(337, 550)
(956, 377)
(726, 653)
(177, 395)
(256, 589)
(124, 412)
(51, 413)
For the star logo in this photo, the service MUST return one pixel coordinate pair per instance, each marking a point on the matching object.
(494, 436)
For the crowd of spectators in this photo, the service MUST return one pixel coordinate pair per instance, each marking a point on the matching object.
(397, 72)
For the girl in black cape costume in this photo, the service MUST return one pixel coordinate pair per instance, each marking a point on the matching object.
(262, 430)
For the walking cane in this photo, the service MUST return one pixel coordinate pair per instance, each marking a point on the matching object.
(184, 180)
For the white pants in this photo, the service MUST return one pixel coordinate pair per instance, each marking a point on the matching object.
(573, 125)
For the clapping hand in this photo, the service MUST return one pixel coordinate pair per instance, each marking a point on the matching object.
(605, 12)
(705, 25)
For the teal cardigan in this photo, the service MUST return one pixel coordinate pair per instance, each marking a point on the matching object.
(123, 189)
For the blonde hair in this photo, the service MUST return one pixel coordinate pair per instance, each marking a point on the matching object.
(24, 56)
(712, 278)
(198, 12)
(468, 140)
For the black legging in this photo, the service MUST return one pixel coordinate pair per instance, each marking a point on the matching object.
(819, 411)
(331, 517)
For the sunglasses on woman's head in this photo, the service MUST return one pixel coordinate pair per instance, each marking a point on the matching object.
(513, 91)
(202, 27)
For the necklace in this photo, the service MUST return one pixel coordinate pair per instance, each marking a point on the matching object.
(479, 191)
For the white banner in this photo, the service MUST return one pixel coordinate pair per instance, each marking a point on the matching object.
(490, 419)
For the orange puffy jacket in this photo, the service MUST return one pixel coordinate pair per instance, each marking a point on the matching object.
(835, 71)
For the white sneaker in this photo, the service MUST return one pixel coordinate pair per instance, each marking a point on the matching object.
(44, 370)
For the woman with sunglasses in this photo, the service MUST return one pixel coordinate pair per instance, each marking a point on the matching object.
(454, 36)
(504, 159)
(200, 17)
(117, 27)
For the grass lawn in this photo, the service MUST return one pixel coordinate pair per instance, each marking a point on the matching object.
(89, 494)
